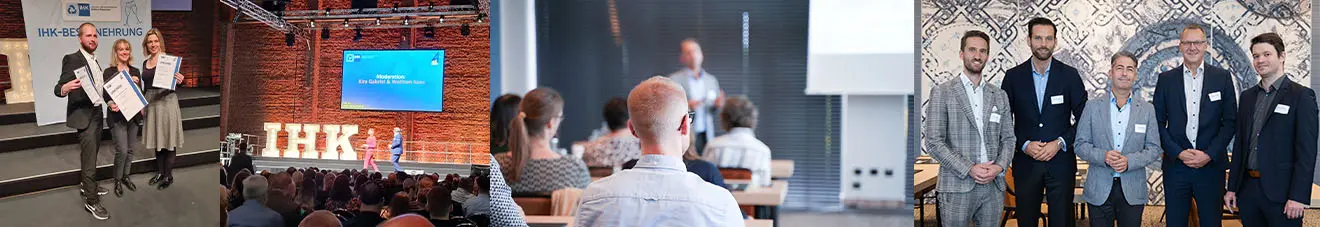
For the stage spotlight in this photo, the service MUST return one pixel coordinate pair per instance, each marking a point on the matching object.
(428, 32)
(405, 21)
(311, 24)
(325, 33)
(288, 38)
(481, 17)
(345, 23)
(465, 30)
(377, 21)
(357, 34)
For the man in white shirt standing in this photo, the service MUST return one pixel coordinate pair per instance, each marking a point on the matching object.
(84, 115)
(703, 91)
(969, 131)
(658, 191)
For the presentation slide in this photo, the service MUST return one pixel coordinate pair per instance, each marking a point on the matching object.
(394, 80)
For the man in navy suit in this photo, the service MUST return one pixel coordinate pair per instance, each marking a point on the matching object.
(1274, 153)
(1195, 106)
(1045, 95)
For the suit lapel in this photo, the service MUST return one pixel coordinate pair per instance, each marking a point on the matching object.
(1030, 81)
(987, 104)
(963, 101)
(1133, 139)
(1051, 86)
(1106, 122)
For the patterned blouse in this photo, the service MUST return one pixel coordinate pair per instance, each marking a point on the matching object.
(548, 175)
(503, 211)
(612, 151)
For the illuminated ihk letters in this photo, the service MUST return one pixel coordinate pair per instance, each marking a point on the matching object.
(336, 137)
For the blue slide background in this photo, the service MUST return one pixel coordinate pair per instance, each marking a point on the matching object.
(415, 65)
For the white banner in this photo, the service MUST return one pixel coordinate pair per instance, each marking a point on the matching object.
(52, 32)
(92, 10)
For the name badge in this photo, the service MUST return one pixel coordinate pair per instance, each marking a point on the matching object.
(1140, 128)
(994, 117)
(1214, 96)
(1281, 109)
(1057, 99)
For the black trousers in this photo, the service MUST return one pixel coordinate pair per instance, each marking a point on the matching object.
(1205, 185)
(1057, 188)
(89, 143)
(1116, 208)
(125, 136)
(1256, 210)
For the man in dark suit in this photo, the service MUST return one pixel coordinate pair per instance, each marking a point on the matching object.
(1274, 153)
(1196, 107)
(84, 115)
(1045, 95)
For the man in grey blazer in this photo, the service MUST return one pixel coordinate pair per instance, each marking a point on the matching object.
(84, 115)
(703, 91)
(1118, 136)
(969, 131)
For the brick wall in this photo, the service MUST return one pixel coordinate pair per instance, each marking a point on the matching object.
(11, 26)
(269, 84)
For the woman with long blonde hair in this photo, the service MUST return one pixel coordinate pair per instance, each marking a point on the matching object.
(123, 131)
(164, 125)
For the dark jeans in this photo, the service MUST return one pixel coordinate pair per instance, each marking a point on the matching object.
(125, 135)
(89, 143)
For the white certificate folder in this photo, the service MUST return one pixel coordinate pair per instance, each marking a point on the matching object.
(126, 95)
(166, 67)
(89, 85)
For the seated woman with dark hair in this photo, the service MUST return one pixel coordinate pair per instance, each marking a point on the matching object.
(619, 145)
(533, 166)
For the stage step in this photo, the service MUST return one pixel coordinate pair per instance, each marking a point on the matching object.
(30, 136)
(24, 113)
(45, 168)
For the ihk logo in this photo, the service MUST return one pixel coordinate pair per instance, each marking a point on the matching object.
(79, 9)
(352, 58)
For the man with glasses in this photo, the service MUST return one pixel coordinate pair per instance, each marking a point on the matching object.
(1195, 105)
(969, 131)
(658, 191)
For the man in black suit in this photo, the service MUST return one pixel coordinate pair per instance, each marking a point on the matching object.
(1045, 95)
(1274, 153)
(84, 115)
(1196, 107)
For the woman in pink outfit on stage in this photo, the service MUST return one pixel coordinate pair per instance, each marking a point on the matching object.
(371, 151)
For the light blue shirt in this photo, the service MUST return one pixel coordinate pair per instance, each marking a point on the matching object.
(658, 191)
(1118, 121)
(1041, 79)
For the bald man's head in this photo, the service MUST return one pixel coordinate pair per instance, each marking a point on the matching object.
(658, 107)
(407, 220)
(320, 218)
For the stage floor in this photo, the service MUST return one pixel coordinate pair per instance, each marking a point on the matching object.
(32, 162)
(281, 164)
(193, 200)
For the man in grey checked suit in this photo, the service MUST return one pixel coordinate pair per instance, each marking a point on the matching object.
(1118, 136)
(969, 131)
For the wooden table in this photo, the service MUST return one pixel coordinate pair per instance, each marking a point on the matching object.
(922, 182)
(549, 221)
(781, 168)
(763, 196)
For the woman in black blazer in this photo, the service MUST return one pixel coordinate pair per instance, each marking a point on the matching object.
(123, 131)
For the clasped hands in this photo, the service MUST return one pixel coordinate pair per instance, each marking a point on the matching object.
(1042, 151)
(984, 173)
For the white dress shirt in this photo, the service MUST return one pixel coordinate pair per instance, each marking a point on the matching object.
(975, 96)
(1192, 89)
(92, 67)
(740, 149)
(659, 191)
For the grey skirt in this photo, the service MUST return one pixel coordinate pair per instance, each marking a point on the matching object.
(164, 125)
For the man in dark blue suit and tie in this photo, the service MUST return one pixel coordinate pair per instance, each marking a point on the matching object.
(1045, 95)
(1269, 177)
(1195, 106)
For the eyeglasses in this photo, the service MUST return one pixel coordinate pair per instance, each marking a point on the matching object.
(687, 119)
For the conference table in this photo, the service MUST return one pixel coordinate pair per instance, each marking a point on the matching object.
(923, 181)
(567, 221)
